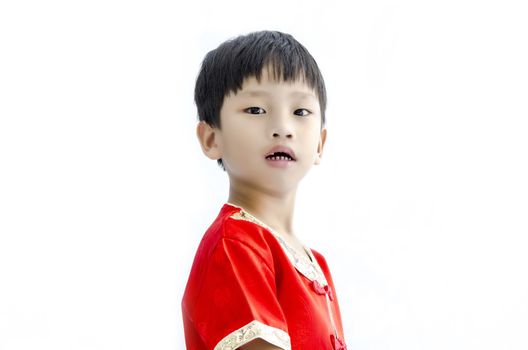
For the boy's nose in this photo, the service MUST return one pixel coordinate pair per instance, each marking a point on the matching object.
(281, 126)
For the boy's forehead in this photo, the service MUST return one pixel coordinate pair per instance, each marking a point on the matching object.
(256, 92)
(253, 87)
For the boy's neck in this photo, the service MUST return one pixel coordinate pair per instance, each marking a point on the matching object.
(276, 212)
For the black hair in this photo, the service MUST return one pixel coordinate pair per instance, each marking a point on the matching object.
(224, 69)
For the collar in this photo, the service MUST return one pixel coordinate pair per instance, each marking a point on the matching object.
(309, 269)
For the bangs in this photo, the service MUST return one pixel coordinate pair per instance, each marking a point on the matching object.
(284, 63)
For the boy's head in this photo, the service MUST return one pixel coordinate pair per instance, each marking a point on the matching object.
(277, 56)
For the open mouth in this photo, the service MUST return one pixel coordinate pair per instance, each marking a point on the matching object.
(280, 156)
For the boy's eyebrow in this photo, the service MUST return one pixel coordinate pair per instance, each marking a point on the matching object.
(253, 93)
(304, 94)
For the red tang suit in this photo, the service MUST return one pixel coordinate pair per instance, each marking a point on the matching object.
(246, 282)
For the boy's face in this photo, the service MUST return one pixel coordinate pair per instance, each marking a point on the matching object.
(263, 115)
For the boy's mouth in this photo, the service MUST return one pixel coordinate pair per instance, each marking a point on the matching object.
(281, 153)
(280, 156)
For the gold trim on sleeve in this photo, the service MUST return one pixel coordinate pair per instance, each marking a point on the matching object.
(251, 331)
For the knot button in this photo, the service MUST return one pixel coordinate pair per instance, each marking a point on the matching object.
(322, 290)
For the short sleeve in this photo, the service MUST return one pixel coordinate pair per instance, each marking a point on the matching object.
(236, 300)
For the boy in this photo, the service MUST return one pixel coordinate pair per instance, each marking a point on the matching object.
(261, 101)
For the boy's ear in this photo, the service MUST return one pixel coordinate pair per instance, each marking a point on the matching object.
(320, 147)
(207, 138)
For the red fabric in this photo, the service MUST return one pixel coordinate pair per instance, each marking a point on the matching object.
(241, 273)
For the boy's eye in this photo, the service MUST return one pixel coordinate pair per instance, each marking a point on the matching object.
(254, 110)
(301, 112)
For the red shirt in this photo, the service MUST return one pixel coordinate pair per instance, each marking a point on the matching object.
(246, 282)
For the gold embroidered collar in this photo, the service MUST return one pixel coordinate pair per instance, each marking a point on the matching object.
(309, 269)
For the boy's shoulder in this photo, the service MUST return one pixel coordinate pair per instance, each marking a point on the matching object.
(233, 225)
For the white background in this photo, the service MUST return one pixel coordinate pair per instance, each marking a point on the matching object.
(420, 204)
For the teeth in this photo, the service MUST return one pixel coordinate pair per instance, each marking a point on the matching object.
(279, 158)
